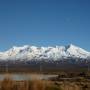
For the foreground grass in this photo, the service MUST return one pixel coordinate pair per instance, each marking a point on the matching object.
(9, 84)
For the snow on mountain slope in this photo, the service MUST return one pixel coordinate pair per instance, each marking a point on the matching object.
(38, 53)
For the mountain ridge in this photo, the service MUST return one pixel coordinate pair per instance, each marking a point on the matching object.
(28, 52)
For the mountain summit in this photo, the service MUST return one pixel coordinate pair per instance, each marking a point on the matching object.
(27, 52)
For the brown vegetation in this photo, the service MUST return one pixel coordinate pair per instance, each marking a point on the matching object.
(9, 84)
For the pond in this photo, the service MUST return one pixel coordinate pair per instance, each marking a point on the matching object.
(26, 76)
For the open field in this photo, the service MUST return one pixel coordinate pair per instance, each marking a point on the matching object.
(28, 76)
(42, 67)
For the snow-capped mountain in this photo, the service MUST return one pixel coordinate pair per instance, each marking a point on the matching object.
(48, 53)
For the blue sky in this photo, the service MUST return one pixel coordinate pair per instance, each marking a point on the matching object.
(44, 23)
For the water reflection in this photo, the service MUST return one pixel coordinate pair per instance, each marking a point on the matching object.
(26, 76)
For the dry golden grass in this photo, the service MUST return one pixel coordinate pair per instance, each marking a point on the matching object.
(9, 84)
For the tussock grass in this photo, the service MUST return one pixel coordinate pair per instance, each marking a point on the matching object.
(9, 84)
